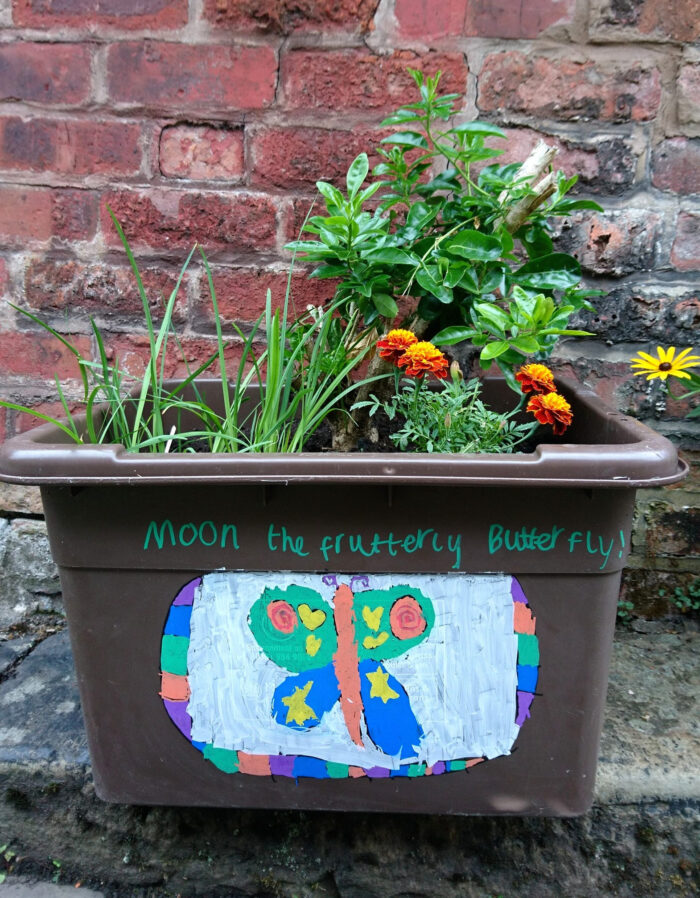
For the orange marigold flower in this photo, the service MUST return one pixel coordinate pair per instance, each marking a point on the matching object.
(551, 408)
(424, 358)
(535, 379)
(392, 346)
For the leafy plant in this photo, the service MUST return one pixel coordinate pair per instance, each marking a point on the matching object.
(686, 600)
(474, 248)
(277, 399)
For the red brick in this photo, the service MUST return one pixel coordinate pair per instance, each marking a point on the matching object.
(55, 287)
(69, 147)
(176, 219)
(605, 166)
(241, 293)
(676, 165)
(359, 80)
(201, 153)
(199, 77)
(564, 89)
(645, 312)
(645, 20)
(132, 351)
(45, 73)
(613, 243)
(427, 21)
(36, 354)
(292, 158)
(517, 19)
(688, 86)
(685, 252)
(284, 16)
(82, 14)
(4, 278)
(36, 214)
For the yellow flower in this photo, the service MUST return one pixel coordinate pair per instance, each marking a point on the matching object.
(668, 364)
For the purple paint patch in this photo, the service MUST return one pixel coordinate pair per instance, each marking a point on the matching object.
(524, 702)
(177, 712)
(439, 768)
(186, 594)
(516, 591)
(377, 772)
(282, 765)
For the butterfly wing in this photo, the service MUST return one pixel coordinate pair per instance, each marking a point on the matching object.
(300, 701)
(391, 621)
(391, 724)
(294, 628)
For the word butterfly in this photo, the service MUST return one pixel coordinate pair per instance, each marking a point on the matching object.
(336, 655)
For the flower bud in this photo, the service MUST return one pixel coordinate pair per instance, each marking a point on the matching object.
(456, 371)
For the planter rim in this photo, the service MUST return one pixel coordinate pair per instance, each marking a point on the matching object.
(630, 454)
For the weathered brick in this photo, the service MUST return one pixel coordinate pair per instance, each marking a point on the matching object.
(360, 80)
(175, 219)
(568, 90)
(241, 293)
(4, 277)
(284, 16)
(54, 287)
(191, 76)
(676, 165)
(36, 354)
(644, 20)
(672, 531)
(69, 147)
(292, 158)
(641, 313)
(132, 352)
(688, 88)
(18, 499)
(37, 214)
(130, 14)
(615, 243)
(685, 252)
(45, 73)
(605, 166)
(202, 153)
(429, 21)
(517, 19)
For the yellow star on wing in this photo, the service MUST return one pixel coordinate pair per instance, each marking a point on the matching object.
(380, 685)
(299, 712)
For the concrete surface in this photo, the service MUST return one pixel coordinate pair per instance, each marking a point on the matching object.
(641, 838)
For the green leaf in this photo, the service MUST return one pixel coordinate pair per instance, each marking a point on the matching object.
(550, 272)
(479, 129)
(329, 271)
(331, 193)
(526, 345)
(448, 336)
(493, 314)
(385, 305)
(571, 205)
(407, 139)
(391, 256)
(493, 350)
(474, 245)
(428, 279)
(357, 173)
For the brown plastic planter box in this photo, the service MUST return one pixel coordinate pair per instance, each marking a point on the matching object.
(383, 632)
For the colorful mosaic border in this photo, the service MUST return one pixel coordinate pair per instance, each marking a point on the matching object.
(175, 693)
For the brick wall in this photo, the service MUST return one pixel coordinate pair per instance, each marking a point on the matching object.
(211, 120)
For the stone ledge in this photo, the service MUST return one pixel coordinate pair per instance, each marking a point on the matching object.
(640, 837)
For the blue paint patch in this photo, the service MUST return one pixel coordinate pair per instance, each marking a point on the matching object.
(323, 693)
(200, 746)
(310, 767)
(391, 724)
(402, 771)
(178, 622)
(527, 678)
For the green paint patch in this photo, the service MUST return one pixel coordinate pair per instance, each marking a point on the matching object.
(528, 650)
(223, 758)
(173, 654)
(337, 771)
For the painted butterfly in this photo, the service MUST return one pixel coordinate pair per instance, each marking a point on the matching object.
(335, 654)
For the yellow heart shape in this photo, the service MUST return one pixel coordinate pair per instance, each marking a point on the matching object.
(373, 642)
(313, 644)
(312, 620)
(372, 618)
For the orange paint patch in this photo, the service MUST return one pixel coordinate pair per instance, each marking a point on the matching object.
(523, 619)
(346, 663)
(256, 765)
(472, 762)
(356, 772)
(174, 687)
